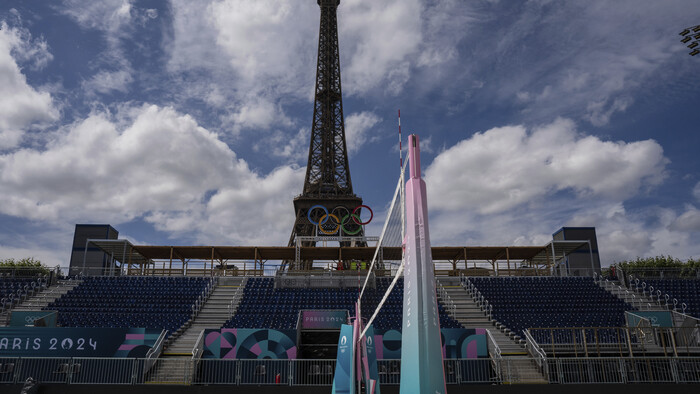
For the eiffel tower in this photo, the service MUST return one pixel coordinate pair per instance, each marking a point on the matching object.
(327, 180)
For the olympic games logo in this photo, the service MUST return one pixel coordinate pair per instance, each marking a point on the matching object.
(341, 217)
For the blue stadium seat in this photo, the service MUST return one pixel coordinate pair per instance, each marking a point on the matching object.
(148, 302)
(264, 306)
(546, 302)
(684, 290)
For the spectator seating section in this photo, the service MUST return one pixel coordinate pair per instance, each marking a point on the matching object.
(13, 289)
(135, 301)
(10, 285)
(684, 290)
(527, 302)
(263, 306)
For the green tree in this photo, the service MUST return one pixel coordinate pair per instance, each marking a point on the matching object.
(647, 267)
(28, 266)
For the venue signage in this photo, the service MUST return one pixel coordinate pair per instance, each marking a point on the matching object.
(28, 318)
(76, 341)
(320, 319)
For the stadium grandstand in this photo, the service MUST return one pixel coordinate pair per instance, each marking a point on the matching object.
(207, 319)
(191, 318)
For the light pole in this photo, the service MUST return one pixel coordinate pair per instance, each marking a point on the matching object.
(692, 35)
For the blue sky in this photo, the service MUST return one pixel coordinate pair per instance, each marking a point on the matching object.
(183, 122)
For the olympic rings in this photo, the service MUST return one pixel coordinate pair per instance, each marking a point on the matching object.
(371, 215)
(325, 217)
(340, 223)
(346, 231)
(337, 226)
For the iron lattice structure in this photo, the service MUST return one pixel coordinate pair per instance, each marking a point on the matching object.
(327, 180)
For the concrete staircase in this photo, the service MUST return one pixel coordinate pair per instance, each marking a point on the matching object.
(638, 300)
(468, 313)
(214, 313)
(42, 299)
(517, 366)
(175, 365)
(171, 370)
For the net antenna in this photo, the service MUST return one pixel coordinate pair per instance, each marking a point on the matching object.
(393, 234)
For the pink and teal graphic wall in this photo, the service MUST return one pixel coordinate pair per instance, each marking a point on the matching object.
(250, 343)
(457, 343)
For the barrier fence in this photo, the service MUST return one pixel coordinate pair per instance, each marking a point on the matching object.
(507, 370)
(640, 341)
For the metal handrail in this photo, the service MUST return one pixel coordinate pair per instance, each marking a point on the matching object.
(481, 301)
(43, 295)
(245, 372)
(535, 350)
(496, 356)
(155, 351)
(637, 302)
(198, 348)
(496, 348)
(235, 300)
(651, 295)
(202, 298)
(445, 297)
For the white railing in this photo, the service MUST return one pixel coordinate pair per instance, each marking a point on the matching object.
(535, 350)
(481, 301)
(626, 294)
(198, 347)
(495, 355)
(661, 299)
(154, 353)
(22, 294)
(129, 371)
(446, 299)
(236, 299)
(202, 299)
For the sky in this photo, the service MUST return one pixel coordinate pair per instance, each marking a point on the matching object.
(188, 122)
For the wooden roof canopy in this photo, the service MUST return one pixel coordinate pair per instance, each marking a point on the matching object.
(122, 250)
(442, 253)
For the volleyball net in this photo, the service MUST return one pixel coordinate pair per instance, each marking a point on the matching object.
(392, 235)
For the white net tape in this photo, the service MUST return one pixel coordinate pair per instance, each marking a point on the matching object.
(393, 233)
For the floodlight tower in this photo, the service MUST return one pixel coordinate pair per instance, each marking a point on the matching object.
(692, 35)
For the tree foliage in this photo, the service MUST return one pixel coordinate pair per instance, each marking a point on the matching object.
(26, 266)
(653, 266)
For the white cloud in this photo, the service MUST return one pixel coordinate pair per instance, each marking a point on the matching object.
(696, 191)
(294, 149)
(260, 213)
(509, 186)
(268, 44)
(256, 212)
(259, 113)
(356, 127)
(148, 162)
(117, 20)
(108, 15)
(106, 82)
(21, 106)
(379, 37)
(48, 257)
(577, 59)
(599, 112)
(279, 31)
(507, 167)
(688, 221)
(262, 55)
(161, 159)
